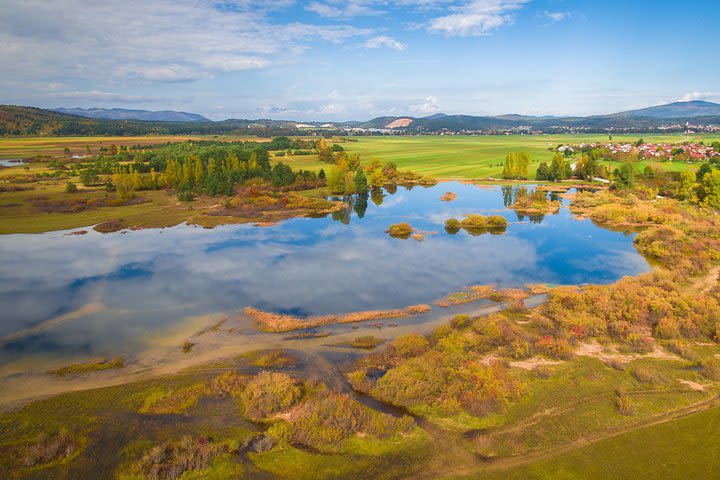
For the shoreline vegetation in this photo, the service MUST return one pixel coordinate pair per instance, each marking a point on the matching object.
(88, 367)
(277, 322)
(489, 392)
(476, 224)
(201, 182)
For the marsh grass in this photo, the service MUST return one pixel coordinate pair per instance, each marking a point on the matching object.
(173, 401)
(270, 359)
(93, 366)
(47, 448)
(187, 458)
(276, 322)
(367, 342)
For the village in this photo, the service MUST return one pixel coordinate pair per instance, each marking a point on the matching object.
(688, 152)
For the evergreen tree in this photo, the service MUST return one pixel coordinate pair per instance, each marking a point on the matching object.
(625, 175)
(361, 184)
(543, 172)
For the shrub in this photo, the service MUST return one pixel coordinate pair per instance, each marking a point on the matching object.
(452, 225)
(647, 375)
(487, 388)
(47, 448)
(554, 347)
(479, 222)
(173, 401)
(624, 404)
(485, 446)
(400, 230)
(228, 383)
(520, 348)
(272, 359)
(543, 371)
(678, 348)
(410, 345)
(711, 368)
(641, 343)
(667, 328)
(172, 459)
(267, 394)
(460, 321)
(325, 421)
(70, 187)
(367, 342)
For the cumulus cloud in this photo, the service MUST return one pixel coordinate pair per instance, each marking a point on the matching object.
(477, 18)
(430, 105)
(556, 16)
(385, 41)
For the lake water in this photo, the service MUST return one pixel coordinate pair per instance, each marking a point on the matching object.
(72, 295)
(11, 162)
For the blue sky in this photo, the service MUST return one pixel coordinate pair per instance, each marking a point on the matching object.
(353, 60)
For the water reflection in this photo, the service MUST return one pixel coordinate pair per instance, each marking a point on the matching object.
(107, 293)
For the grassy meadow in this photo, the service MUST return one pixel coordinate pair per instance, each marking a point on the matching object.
(478, 157)
(682, 448)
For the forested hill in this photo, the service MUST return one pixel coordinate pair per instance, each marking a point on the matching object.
(17, 120)
(678, 116)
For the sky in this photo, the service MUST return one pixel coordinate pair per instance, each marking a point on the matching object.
(332, 60)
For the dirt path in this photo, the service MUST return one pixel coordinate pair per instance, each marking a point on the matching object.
(706, 283)
(456, 465)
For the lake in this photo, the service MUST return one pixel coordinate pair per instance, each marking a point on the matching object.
(69, 296)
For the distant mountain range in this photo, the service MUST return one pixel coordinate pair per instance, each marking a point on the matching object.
(696, 108)
(142, 115)
(17, 120)
(651, 117)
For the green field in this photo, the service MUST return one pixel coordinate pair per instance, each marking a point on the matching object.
(475, 157)
(685, 448)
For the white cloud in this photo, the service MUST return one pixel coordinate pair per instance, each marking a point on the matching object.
(344, 9)
(332, 108)
(688, 97)
(556, 16)
(384, 41)
(478, 18)
(150, 40)
(430, 105)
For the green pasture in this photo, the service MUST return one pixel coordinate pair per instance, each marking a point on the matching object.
(476, 157)
(686, 447)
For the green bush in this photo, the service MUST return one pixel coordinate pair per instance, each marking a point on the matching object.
(410, 345)
(400, 230)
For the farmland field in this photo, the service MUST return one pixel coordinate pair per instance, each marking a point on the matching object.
(473, 157)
